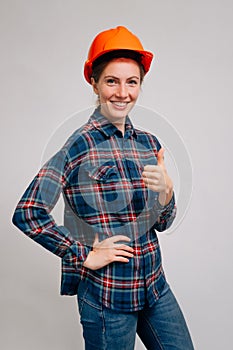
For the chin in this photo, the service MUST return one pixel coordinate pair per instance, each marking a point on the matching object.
(113, 115)
(119, 113)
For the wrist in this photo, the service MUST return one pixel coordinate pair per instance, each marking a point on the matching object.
(169, 190)
(86, 263)
(165, 196)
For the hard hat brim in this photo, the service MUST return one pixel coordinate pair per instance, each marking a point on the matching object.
(146, 59)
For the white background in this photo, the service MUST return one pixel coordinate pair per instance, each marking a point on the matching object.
(43, 48)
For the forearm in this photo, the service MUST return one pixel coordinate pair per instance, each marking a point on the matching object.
(32, 214)
(165, 214)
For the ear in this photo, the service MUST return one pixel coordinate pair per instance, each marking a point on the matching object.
(94, 86)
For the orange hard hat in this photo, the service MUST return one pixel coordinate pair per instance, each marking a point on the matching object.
(119, 38)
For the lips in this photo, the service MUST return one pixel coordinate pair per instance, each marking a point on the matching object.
(119, 104)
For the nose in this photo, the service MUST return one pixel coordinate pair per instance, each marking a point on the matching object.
(122, 91)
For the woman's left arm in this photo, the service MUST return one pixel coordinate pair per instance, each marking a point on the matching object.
(157, 179)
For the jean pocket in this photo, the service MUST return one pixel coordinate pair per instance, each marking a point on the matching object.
(82, 290)
(86, 297)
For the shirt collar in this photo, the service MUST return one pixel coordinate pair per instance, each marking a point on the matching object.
(101, 123)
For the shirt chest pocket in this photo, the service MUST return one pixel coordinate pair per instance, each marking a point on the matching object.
(111, 192)
(103, 173)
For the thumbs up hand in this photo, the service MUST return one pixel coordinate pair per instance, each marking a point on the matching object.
(156, 179)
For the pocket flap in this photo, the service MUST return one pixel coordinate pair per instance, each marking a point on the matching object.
(102, 173)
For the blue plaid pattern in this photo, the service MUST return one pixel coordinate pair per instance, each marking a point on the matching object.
(99, 174)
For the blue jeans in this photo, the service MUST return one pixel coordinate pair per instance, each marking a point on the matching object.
(161, 327)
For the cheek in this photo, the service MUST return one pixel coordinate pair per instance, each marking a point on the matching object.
(105, 94)
(135, 94)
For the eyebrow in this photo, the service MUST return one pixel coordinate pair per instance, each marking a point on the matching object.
(112, 76)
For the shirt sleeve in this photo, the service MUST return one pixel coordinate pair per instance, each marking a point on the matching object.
(165, 214)
(32, 214)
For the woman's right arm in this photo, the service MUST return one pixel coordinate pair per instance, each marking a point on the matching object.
(32, 214)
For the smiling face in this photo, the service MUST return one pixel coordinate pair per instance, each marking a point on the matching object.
(118, 88)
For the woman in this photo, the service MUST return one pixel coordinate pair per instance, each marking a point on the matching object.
(117, 194)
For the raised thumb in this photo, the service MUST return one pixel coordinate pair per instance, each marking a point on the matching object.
(160, 156)
(96, 240)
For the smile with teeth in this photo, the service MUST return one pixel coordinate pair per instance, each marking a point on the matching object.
(119, 104)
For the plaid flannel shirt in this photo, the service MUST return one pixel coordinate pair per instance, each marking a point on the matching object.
(99, 173)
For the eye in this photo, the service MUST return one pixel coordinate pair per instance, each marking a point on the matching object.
(111, 81)
(133, 82)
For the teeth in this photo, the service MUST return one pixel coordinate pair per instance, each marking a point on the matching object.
(120, 104)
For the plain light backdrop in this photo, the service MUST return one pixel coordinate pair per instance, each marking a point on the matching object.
(43, 48)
